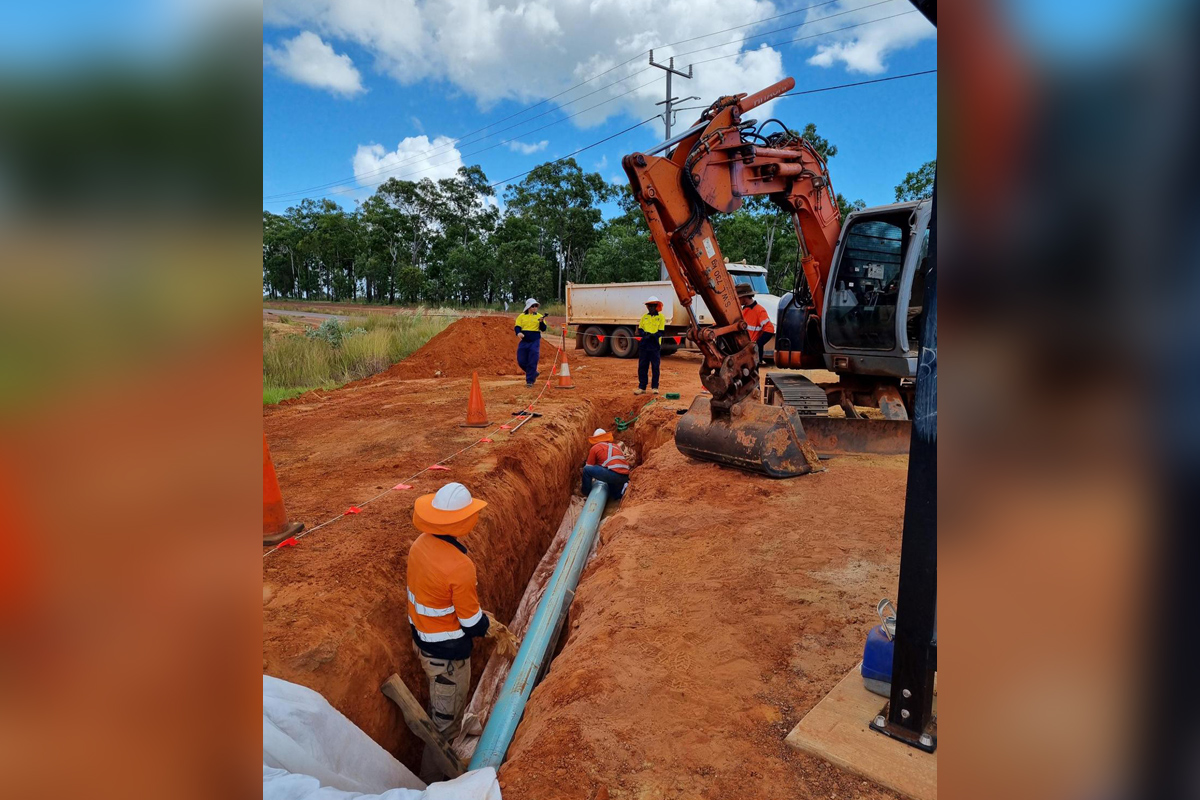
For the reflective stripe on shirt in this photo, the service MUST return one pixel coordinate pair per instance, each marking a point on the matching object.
(472, 620)
(617, 459)
(437, 637)
(426, 611)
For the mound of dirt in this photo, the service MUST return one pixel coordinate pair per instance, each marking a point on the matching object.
(485, 344)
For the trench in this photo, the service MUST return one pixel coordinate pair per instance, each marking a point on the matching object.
(356, 636)
(536, 563)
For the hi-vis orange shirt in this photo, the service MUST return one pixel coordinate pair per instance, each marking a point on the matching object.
(609, 456)
(443, 602)
(758, 321)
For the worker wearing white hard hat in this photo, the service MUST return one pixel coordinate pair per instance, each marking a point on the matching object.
(443, 604)
(529, 327)
(605, 462)
(650, 333)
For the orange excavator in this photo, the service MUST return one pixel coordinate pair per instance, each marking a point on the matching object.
(850, 312)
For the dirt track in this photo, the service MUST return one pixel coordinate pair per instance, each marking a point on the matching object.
(720, 608)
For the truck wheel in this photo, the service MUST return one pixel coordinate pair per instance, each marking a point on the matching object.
(623, 343)
(595, 341)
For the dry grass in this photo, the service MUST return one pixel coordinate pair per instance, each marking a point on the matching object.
(293, 363)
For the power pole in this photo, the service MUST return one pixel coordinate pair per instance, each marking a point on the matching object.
(669, 68)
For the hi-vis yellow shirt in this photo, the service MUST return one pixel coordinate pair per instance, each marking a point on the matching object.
(653, 323)
(530, 324)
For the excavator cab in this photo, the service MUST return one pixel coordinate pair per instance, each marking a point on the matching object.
(870, 320)
(867, 333)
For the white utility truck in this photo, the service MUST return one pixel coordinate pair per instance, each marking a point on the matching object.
(605, 315)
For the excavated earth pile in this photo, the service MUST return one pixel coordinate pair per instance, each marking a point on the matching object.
(487, 344)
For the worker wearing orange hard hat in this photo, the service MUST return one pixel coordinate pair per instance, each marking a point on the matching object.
(605, 462)
(443, 604)
(650, 329)
(758, 321)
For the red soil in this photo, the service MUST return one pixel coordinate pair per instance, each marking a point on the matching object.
(486, 344)
(721, 606)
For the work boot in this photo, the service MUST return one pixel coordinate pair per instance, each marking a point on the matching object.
(639, 391)
(655, 391)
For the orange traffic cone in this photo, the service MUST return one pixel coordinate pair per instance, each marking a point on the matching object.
(564, 371)
(476, 414)
(276, 526)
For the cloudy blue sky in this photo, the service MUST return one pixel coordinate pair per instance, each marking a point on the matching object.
(357, 91)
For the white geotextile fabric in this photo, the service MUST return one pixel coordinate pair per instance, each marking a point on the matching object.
(312, 752)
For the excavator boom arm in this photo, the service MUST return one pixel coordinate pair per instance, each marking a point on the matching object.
(713, 169)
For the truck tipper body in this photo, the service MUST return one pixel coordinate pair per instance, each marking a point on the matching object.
(605, 315)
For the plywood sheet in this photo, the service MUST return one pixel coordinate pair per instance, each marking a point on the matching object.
(837, 731)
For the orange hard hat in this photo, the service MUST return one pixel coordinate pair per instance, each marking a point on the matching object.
(600, 435)
(451, 504)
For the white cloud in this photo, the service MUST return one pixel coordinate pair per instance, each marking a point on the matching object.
(865, 48)
(413, 159)
(308, 60)
(534, 49)
(528, 149)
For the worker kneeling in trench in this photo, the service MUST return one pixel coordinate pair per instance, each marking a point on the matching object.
(443, 606)
(605, 462)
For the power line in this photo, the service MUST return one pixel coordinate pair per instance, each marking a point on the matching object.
(858, 83)
(575, 153)
(451, 145)
(517, 113)
(651, 119)
(812, 35)
(506, 141)
(622, 132)
(454, 142)
(793, 27)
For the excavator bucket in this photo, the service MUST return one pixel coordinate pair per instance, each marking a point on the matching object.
(766, 439)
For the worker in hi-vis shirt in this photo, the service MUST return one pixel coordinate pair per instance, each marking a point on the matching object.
(529, 329)
(650, 330)
(605, 462)
(758, 321)
(443, 605)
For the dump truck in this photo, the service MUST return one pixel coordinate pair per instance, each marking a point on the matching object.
(605, 315)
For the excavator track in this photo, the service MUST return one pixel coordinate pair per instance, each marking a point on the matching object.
(835, 435)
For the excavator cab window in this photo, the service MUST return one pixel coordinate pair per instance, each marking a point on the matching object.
(866, 286)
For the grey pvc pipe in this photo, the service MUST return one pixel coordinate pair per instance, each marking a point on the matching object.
(510, 705)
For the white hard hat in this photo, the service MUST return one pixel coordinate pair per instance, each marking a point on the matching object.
(531, 302)
(450, 504)
(652, 299)
(452, 497)
(599, 432)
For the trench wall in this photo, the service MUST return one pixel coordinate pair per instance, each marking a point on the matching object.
(342, 635)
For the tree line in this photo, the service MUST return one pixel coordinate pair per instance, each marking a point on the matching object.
(447, 241)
